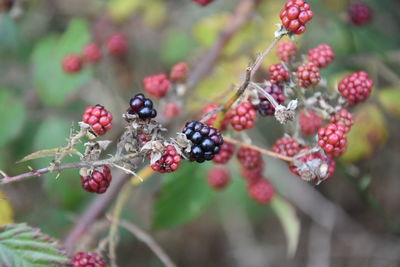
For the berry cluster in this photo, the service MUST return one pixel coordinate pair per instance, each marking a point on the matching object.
(206, 140)
(169, 162)
(356, 87)
(310, 122)
(218, 178)
(225, 154)
(321, 55)
(92, 54)
(332, 139)
(295, 15)
(344, 118)
(286, 51)
(286, 146)
(278, 74)
(360, 13)
(243, 117)
(98, 181)
(265, 108)
(99, 119)
(142, 107)
(88, 259)
(308, 75)
(157, 85)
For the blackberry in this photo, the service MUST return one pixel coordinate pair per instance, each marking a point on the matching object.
(286, 51)
(117, 44)
(356, 87)
(295, 15)
(92, 53)
(321, 55)
(360, 13)
(98, 182)
(344, 118)
(169, 162)
(243, 117)
(209, 108)
(310, 122)
(142, 106)
(249, 158)
(157, 85)
(206, 140)
(218, 178)
(261, 191)
(88, 259)
(99, 119)
(171, 110)
(308, 75)
(179, 72)
(278, 74)
(286, 146)
(332, 138)
(203, 2)
(72, 64)
(265, 108)
(225, 154)
(252, 175)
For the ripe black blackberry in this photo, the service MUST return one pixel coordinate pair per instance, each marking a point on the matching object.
(265, 108)
(206, 140)
(142, 106)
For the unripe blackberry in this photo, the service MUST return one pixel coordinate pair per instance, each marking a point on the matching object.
(265, 108)
(169, 162)
(356, 87)
(206, 140)
(88, 259)
(309, 158)
(171, 110)
(310, 122)
(72, 64)
(179, 72)
(156, 85)
(243, 117)
(262, 191)
(278, 74)
(203, 2)
(92, 53)
(6, 5)
(98, 181)
(252, 175)
(332, 139)
(225, 154)
(249, 158)
(211, 121)
(321, 55)
(344, 118)
(286, 146)
(117, 44)
(142, 106)
(360, 13)
(218, 178)
(308, 75)
(295, 15)
(286, 51)
(99, 119)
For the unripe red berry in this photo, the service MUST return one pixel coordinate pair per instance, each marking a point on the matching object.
(117, 44)
(252, 175)
(321, 55)
(332, 139)
(295, 15)
(88, 259)
(98, 181)
(179, 72)
(243, 117)
(308, 75)
(360, 13)
(218, 178)
(278, 74)
(356, 87)
(203, 2)
(171, 110)
(286, 146)
(344, 118)
(249, 158)
(99, 119)
(169, 162)
(286, 51)
(265, 108)
(310, 122)
(261, 191)
(225, 154)
(72, 64)
(211, 121)
(92, 53)
(157, 85)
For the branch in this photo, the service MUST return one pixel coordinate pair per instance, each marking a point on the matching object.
(35, 173)
(259, 149)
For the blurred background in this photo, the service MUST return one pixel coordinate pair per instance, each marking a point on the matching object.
(350, 220)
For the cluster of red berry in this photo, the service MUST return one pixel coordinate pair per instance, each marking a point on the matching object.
(92, 53)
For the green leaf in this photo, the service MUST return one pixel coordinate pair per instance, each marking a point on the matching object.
(177, 47)
(289, 220)
(390, 99)
(184, 195)
(24, 246)
(52, 84)
(12, 114)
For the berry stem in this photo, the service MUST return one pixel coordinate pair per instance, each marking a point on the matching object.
(259, 149)
(261, 58)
